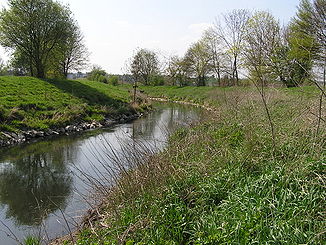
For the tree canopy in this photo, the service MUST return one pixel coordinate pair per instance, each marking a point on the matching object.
(42, 32)
(144, 65)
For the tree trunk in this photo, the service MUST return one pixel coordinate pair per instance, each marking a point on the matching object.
(201, 81)
(31, 67)
(219, 76)
(65, 71)
(235, 71)
(146, 80)
(40, 72)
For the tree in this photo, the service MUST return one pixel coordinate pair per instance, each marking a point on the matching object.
(144, 65)
(21, 64)
(218, 57)
(176, 71)
(262, 40)
(197, 60)
(310, 26)
(171, 70)
(35, 29)
(72, 53)
(293, 58)
(311, 20)
(232, 32)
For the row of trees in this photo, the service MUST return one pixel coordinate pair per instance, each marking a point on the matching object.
(247, 45)
(43, 37)
(45, 40)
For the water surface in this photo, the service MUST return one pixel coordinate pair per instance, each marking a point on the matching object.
(41, 181)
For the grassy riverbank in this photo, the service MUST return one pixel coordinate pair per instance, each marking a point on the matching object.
(225, 181)
(31, 103)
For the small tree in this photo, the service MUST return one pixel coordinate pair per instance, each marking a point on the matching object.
(157, 80)
(144, 65)
(176, 71)
(197, 60)
(231, 31)
(311, 20)
(218, 56)
(72, 55)
(171, 70)
(262, 41)
(292, 59)
(21, 64)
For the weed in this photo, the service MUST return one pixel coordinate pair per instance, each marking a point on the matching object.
(224, 181)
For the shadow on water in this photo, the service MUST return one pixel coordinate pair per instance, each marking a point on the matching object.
(90, 95)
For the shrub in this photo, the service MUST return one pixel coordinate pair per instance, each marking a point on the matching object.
(157, 80)
(114, 80)
(102, 79)
(96, 74)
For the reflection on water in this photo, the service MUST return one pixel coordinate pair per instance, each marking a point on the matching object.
(41, 180)
(33, 187)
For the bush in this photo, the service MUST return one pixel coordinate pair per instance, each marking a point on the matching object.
(102, 79)
(157, 80)
(114, 80)
(96, 74)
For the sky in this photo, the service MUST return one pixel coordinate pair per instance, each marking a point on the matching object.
(114, 29)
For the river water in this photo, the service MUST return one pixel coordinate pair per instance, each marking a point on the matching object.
(44, 185)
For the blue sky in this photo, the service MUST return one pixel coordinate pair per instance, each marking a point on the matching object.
(113, 29)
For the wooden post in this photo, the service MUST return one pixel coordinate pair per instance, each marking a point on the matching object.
(135, 91)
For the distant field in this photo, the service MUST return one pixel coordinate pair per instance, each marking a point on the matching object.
(31, 103)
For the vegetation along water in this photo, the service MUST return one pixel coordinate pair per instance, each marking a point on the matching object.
(224, 144)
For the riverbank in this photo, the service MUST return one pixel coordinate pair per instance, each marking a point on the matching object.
(162, 99)
(20, 137)
(225, 180)
(32, 108)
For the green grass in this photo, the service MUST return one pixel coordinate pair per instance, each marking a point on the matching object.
(208, 95)
(222, 181)
(194, 94)
(32, 241)
(31, 103)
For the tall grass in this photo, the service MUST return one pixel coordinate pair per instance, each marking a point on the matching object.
(224, 181)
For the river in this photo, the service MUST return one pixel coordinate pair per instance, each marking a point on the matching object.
(45, 186)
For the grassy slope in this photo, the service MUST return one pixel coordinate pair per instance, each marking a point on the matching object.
(27, 102)
(221, 182)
